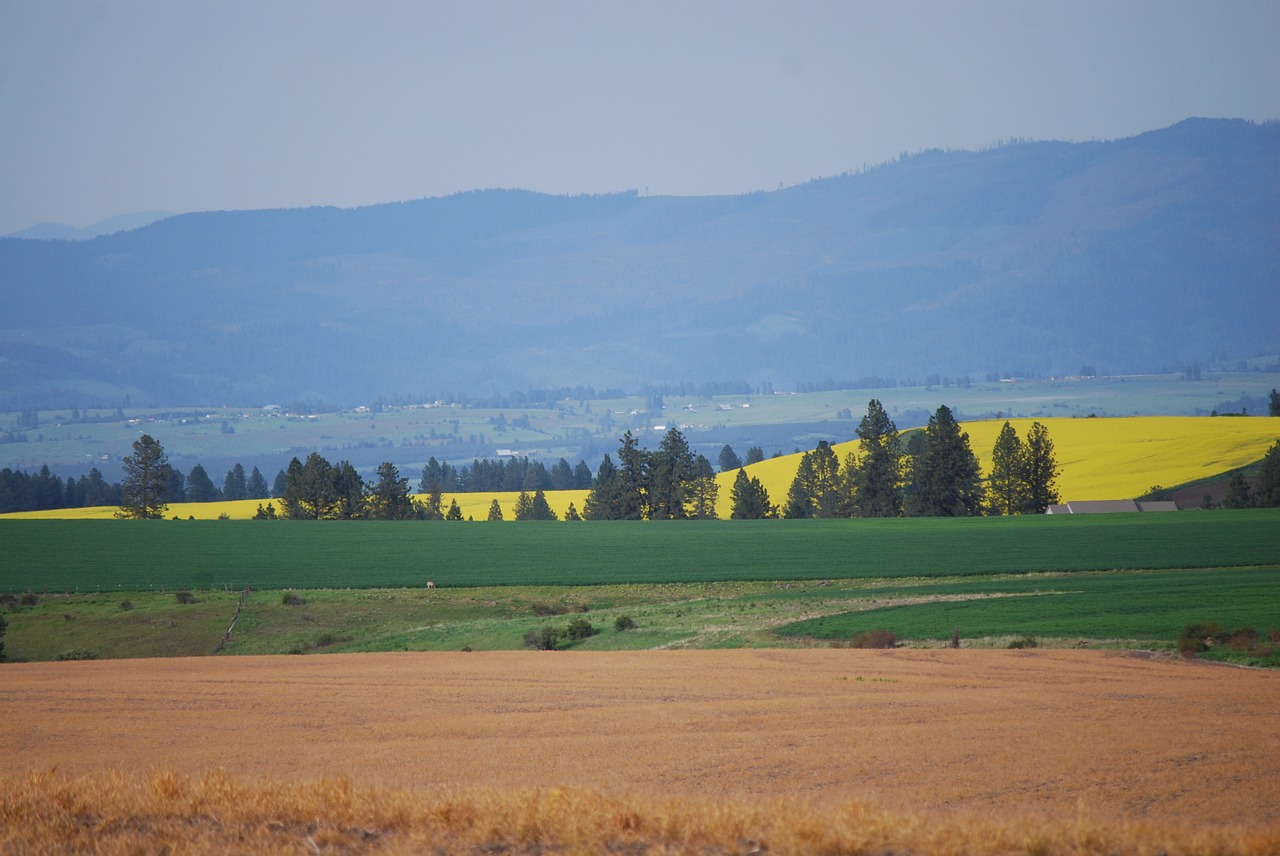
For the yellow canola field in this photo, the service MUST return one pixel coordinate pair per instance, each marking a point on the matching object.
(1099, 459)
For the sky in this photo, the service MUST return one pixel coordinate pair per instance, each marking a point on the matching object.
(111, 108)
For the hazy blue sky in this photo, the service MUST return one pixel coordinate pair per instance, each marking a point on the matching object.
(113, 108)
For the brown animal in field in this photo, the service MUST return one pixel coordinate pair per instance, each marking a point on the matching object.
(430, 584)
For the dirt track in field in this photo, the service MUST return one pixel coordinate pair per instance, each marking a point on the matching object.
(1044, 731)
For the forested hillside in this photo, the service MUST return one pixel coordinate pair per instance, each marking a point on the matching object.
(1133, 255)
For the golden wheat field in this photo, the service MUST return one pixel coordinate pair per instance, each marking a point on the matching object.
(780, 751)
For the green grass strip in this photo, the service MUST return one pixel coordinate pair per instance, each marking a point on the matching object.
(96, 555)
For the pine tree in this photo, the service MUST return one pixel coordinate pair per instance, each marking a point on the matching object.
(1267, 487)
(495, 511)
(799, 497)
(754, 456)
(256, 487)
(1273, 403)
(540, 509)
(631, 500)
(1238, 493)
(601, 503)
(702, 492)
(670, 471)
(946, 478)
(146, 479)
(750, 498)
(454, 512)
(200, 487)
(1041, 470)
(389, 498)
(728, 459)
(1007, 485)
(572, 513)
(235, 486)
(874, 476)
(524, 506)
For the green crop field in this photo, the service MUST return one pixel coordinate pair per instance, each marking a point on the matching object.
(1144, 605)
(89, 555)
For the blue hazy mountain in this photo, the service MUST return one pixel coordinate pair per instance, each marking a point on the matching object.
(63, 232)
(1139, 254)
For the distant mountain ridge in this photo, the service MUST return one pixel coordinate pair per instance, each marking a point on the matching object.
(1129, 255)
(63, 232)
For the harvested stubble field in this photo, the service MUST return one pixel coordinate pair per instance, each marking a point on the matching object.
(935, 751)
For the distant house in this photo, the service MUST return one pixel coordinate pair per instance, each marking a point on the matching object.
(1110, 506)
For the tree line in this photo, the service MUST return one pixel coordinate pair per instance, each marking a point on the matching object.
(934, 473)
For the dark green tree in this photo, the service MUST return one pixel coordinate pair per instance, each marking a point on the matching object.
(524, 506)
(701, 492)
(874, 475)
(582, 476)
(946, 479)
(310, 491)
(144, 490)
(729, 459)
(561, 475)
(671, 469)
(1273, 403)
(235, 485)
(200, 487)
(177, 487)
(754, 456)
(1040, 472)
(631, 499)
(256, 487)
(1007, 485)
(750, 498)
(495, 511)
(540, 509)
(454, 512)
(601, 503)
(389, 498)
(278, 485)
(349, 488)
(571, 513)
(800, 503)
(1267, 487)
(433, 506)
(1238, 493)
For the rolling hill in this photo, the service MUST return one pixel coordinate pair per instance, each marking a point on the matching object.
(1036, 258)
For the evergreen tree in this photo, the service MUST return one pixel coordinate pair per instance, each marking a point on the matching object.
(572, 513)
(729, 459)
(1040, 472)
(432, 477)
(799, 497)
(389, 499)
(146, 479)
(540, 509)
(702, 492)
(1007, 485)
(256, 487)
(750, 498)
(631, 499)
(754, 456)
(601, 502)
(495, 511)
(310, 491)
(524, 506)
(582, 476)
(235, 485)
(1267, 487)
(177, 487)
(1238, 493)
(671, 469)
(454, 512)
(349, 489)
(433, 506)
(874, 476)
(561, 475)
(279, 484)
(200, 487)
(1273, 403)
(946, 477)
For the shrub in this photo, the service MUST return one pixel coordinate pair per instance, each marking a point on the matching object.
(126, 605)
(1024, 642)
(184, 597)
(1200, 637)
(1245, 639)
(877, 638)
(579, 629)
(543, 609)
(30, 599)
(545, 639)
(9, 601)
(624, 622)
(78, 654)
(292, 599)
